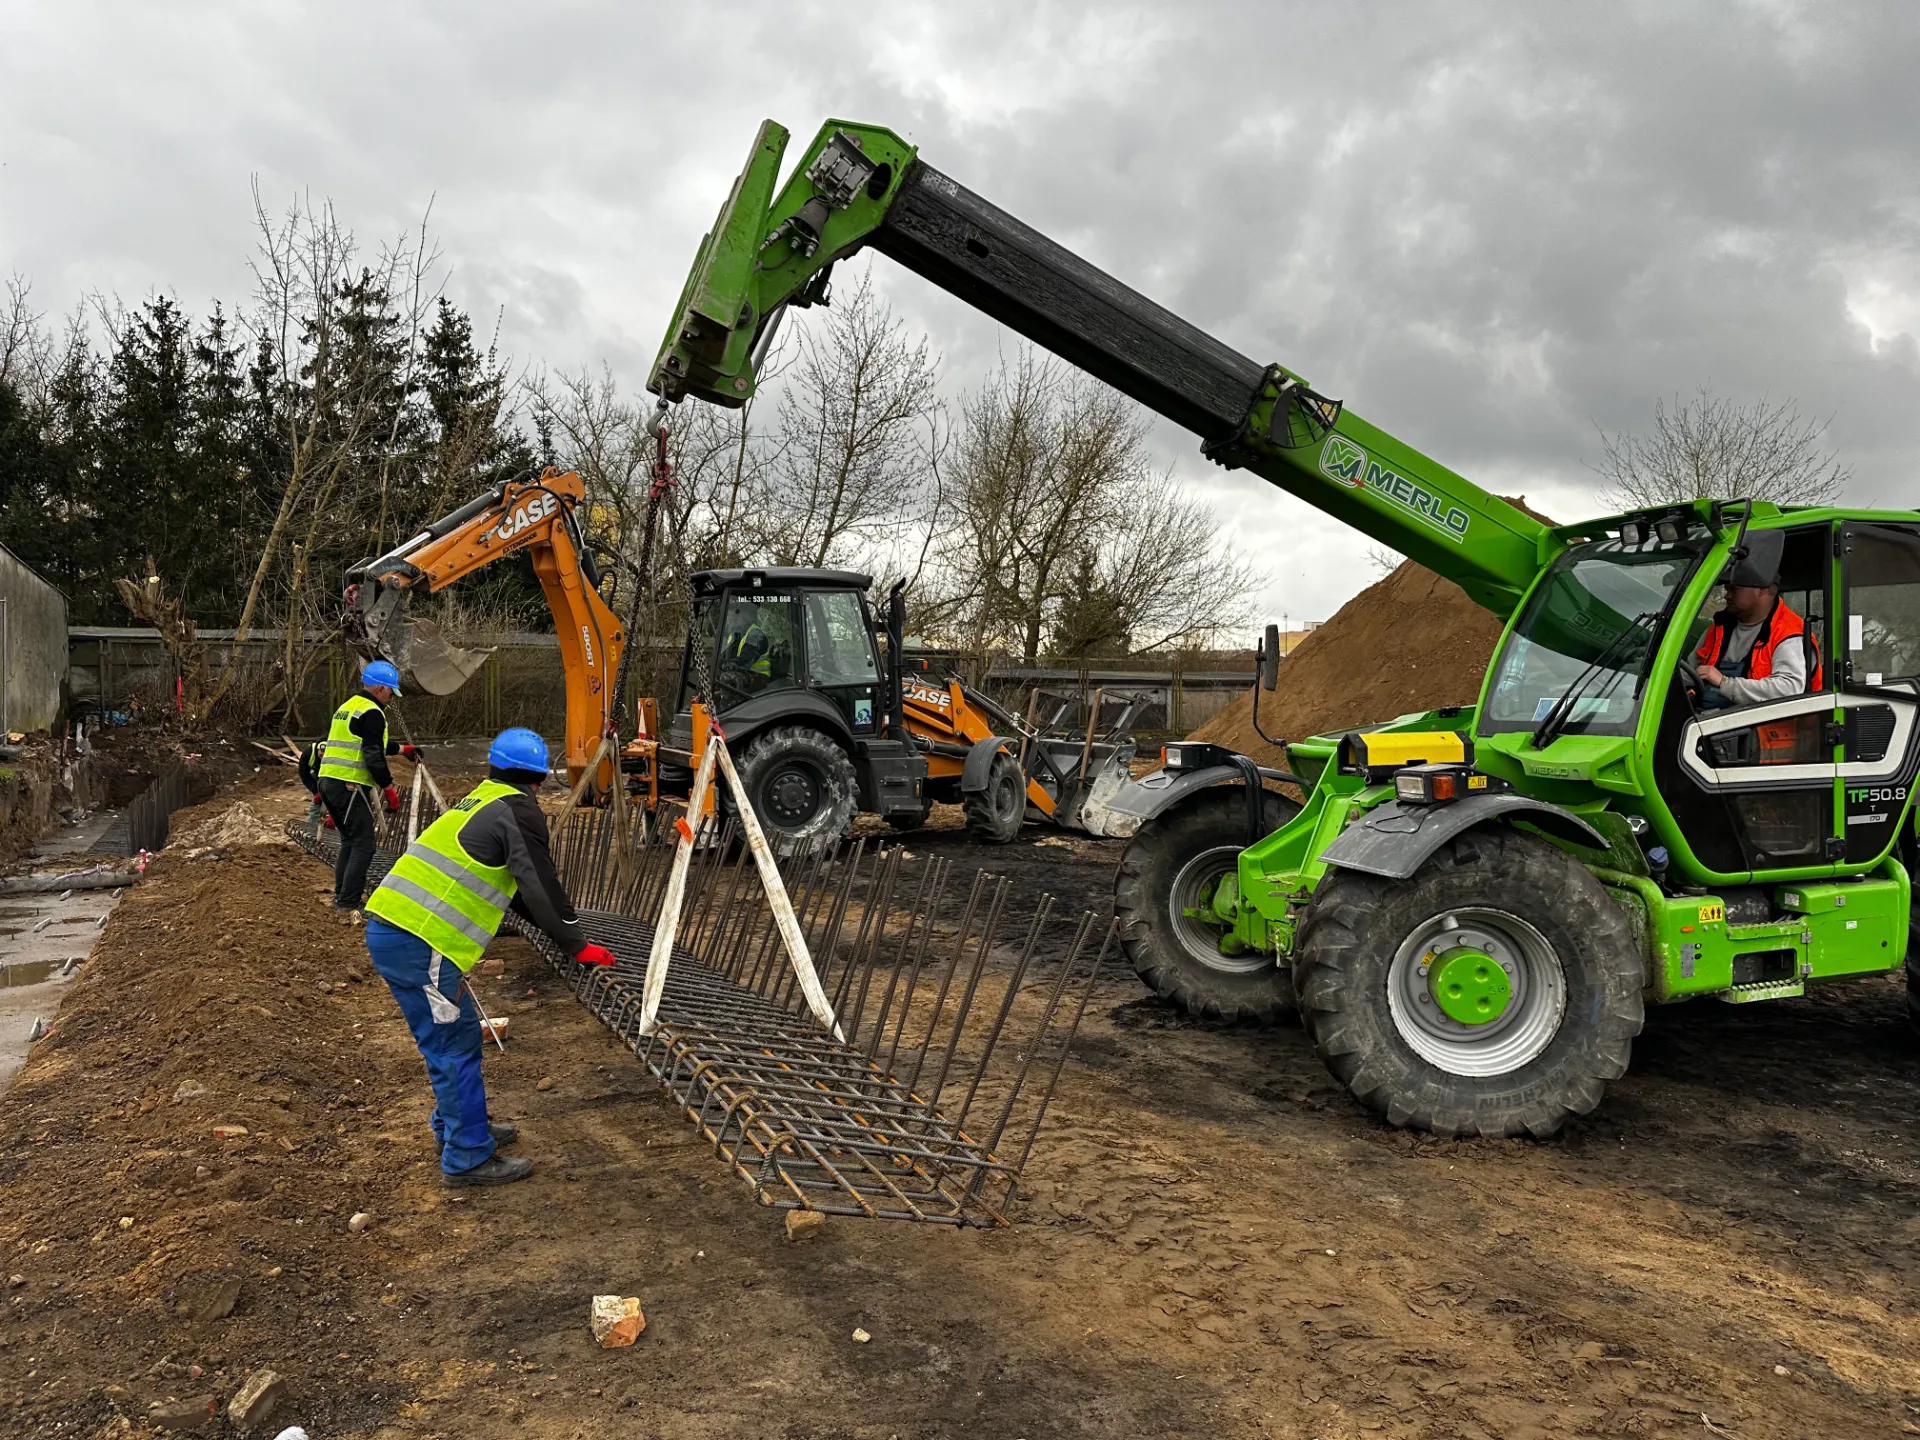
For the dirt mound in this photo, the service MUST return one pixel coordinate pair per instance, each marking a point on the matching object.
(238, 824)
(1412, 642)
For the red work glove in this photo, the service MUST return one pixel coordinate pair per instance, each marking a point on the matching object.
(596, 955)
(393, 800)
(327, 820)
(318, 801)
(412, 752)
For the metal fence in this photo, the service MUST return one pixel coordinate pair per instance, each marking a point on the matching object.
(522, 683)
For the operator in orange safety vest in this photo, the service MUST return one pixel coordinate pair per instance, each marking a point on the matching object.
(1757, 649)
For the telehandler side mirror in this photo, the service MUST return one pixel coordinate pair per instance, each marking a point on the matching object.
(1269, 658)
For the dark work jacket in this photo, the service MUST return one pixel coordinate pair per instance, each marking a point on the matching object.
(371, 727)
(512, 832)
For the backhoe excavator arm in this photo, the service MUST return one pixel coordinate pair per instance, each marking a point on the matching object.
(860, 185)
(537, 516)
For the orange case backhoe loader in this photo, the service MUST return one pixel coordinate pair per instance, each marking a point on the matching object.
(536, 516)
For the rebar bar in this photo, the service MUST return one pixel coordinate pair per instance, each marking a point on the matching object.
(940, 1016)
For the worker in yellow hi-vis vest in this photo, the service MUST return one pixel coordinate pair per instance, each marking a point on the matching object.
(353, 765)
(429, 923)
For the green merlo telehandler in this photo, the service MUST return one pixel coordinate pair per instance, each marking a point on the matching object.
(1472, 907)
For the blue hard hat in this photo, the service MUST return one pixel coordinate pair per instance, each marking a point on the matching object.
(518, 749)
(381, 672)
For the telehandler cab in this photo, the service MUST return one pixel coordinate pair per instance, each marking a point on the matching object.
(1472, 907)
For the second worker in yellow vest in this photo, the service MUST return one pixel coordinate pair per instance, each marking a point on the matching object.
(353, 764)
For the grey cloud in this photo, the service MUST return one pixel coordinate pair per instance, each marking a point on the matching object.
(1488, 227)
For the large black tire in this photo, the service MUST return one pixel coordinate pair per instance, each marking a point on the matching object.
(1168, 866)
(802, 786)
(1912, 861)
(994, 814)
(1575, 973)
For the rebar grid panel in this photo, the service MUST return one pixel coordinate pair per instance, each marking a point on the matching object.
(956, 1030)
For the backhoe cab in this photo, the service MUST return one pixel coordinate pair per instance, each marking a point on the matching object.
(808, 710)
(1472, 907)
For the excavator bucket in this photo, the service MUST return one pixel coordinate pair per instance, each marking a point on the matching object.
(427, 661)
(436, 666)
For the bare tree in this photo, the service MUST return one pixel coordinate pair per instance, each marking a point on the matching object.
(1708, 447)
(340, 338)
(859, 417)
(1174, 581)
(1061, 522)
(21, 343)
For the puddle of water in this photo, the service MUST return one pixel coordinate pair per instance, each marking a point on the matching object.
(28, 972)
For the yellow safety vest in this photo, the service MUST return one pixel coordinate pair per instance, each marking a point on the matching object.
(441, 893)
(345, 758)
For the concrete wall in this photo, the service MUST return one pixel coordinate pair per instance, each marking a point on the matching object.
(35, 646)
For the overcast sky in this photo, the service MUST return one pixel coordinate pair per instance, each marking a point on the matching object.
(1487, 228)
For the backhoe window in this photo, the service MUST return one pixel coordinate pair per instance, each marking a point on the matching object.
(1591, 624)
(839, 649)
(756, 646)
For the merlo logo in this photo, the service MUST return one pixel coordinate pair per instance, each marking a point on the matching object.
(1342, 460)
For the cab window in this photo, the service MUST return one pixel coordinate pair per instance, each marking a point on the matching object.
(756, 652)
(839, 648)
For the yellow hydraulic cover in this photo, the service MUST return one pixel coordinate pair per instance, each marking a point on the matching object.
(1379, 754)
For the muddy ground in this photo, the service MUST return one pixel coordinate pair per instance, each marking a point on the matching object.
(1218, 1242)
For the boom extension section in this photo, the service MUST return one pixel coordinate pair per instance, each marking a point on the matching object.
(536, 516)
(860, 185)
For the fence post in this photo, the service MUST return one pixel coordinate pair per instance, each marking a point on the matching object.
(1176, 702)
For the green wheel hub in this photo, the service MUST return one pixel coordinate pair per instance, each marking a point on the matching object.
(1469, 985)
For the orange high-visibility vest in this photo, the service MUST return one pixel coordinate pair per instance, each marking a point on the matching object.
(1782, 624)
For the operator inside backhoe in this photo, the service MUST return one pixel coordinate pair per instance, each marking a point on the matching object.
(756, 651)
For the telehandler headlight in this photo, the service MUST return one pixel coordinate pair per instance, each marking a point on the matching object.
(1437, 784)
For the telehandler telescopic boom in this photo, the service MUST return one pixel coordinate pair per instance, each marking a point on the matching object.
(860, 186)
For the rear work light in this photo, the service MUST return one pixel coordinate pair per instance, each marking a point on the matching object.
(1194, 755)
(1437, 784)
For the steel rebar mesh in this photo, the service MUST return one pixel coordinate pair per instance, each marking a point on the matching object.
(957, 1020)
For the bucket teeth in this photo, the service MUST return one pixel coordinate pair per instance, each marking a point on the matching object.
(958, 1007)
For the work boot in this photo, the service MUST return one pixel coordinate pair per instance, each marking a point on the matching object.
(503, 1134)
(494, 1170)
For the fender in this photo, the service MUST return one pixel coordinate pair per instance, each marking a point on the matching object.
(784, 707)
(973, 774)
(1394, 840)
(1138, 801)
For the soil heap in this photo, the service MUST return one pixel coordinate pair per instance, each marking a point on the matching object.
(1412, 642)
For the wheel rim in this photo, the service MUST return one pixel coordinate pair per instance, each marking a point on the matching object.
(1192, 889)
(1010, 796)
(790, 794)
(1441, 967)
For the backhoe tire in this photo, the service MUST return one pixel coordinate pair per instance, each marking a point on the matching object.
(1170, 867)
(802, 785)
(1377, 967)
(994, 814)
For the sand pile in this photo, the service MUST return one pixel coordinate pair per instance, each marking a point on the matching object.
(238, 824)
(1412, 642)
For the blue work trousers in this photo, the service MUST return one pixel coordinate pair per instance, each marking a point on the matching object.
(446, 1027)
